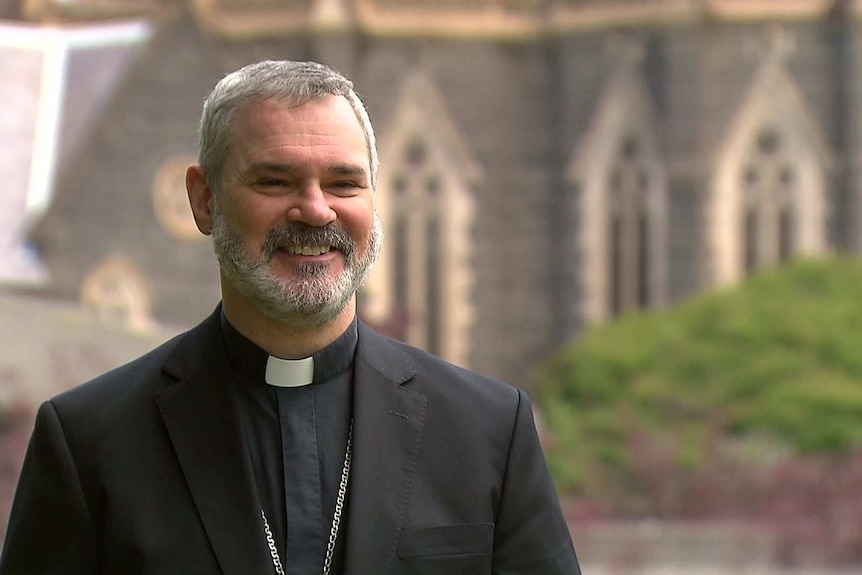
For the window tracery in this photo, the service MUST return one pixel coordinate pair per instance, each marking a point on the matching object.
(768, 202)
(421, 287)
(628, 212)
(622, 196)
(769, 206)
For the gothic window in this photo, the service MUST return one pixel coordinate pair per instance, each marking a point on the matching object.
(416, 274)
(420, 290)
(768, 201)
(628, 228)
(750, 240)
(623, 196)
(643, 259)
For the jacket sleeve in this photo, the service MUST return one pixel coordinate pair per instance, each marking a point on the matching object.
(51, 530)
(531, 535)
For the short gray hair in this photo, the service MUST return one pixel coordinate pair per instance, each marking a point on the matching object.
(293, 83)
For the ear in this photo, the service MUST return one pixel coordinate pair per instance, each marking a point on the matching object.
(200, 196)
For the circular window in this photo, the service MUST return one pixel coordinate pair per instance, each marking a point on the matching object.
(170, 202)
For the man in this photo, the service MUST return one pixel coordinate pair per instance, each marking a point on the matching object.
(282, 435)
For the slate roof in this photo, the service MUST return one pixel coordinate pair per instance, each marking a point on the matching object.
(47, 347)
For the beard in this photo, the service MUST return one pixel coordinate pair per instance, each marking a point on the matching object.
(312, 298)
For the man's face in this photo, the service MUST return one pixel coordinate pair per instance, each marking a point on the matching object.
(294, 226)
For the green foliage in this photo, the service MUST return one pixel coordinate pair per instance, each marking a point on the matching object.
(775, 362)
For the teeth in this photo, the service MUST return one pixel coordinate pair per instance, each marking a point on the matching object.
(307, 250)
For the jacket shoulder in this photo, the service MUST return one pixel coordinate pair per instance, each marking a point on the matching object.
(445, 382)
(141, 375)
(147, 373)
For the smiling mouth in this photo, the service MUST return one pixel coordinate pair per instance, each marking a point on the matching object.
(307, 250)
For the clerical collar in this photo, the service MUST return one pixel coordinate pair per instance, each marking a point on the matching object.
(289, 372)
(331, 361)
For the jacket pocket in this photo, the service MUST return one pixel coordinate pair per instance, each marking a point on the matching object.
(469, 538)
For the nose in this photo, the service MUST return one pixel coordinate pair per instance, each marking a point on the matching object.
(311, 207)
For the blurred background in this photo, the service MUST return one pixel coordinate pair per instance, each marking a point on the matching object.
(644, 212)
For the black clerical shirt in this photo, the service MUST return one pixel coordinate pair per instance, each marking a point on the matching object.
(297, 437)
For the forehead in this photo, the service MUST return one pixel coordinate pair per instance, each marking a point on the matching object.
(324, 127)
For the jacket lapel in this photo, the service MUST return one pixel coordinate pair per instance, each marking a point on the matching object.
(388, 424)
(208, 440)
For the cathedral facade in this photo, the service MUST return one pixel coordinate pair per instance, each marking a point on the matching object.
(546, 165)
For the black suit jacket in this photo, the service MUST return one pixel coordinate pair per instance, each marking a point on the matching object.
(144, 470)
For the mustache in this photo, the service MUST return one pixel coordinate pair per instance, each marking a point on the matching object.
(300, 234)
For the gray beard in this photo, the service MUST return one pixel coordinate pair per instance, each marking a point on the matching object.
(312, 300)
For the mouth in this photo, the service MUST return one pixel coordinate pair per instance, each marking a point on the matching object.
(304, 243)
(307, 250)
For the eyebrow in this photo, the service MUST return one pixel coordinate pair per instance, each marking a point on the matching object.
(347, 170)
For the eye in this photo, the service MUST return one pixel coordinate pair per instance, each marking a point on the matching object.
(271, 182)
(273, 186)
(344, 186)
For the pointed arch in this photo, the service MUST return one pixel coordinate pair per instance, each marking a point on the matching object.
(117, 291)
(622, 195)
(421, 286)
(768, 196)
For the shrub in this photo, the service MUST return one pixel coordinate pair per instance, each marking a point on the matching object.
(706, 409)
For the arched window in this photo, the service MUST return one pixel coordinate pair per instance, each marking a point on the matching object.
(419, 243)
(629, 228)
(420, 290)
(622, 198)
(769, 198)
(768, 208)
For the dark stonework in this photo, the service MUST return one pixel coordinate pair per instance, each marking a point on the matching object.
(522, 109)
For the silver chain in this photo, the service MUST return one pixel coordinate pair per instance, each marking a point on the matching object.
(276, 560)
(336, 518)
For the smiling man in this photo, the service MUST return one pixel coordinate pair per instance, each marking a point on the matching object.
(282, 435)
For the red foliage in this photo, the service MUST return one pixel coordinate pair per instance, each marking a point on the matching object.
(813, 506)
(816, 506)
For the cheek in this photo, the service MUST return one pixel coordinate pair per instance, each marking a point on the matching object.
(252, 224)
(358, 219)
(361, 231)
(361, 218)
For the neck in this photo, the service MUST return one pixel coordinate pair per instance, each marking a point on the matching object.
(281, 338)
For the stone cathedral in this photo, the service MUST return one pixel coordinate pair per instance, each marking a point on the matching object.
(546, 165)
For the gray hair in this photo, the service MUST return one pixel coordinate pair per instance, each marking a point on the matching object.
(293, 83)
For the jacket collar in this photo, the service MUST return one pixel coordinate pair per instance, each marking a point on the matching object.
(207, 437)
(389, 418)
(206, 434)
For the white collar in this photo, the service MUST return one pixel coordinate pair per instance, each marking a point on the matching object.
(289, 372)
